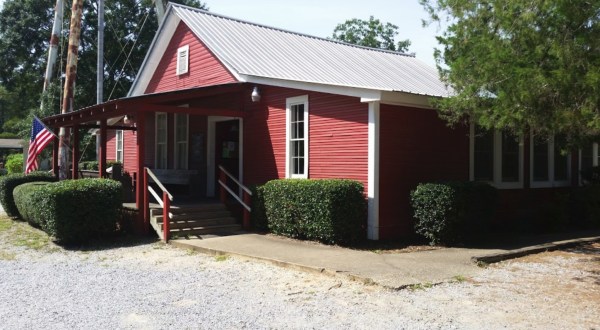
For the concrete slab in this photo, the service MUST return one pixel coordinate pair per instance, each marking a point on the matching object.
(389, 270)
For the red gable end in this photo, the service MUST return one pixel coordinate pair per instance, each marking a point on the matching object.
(204, 68)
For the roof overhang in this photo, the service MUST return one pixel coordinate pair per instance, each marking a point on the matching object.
(158, 102)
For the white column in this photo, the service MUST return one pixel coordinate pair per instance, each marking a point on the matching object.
(373, 172)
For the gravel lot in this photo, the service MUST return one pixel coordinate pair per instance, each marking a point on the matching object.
(152, 286)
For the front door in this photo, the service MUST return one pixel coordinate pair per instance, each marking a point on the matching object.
(227, 138)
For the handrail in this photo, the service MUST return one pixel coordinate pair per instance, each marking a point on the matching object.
(235, 196)
(157, 181)
(245, 198)
(235, 180)
(165, 203)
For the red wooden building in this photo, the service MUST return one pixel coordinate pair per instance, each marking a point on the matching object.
(265, 103)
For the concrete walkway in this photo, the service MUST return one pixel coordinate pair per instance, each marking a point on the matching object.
(391, 270)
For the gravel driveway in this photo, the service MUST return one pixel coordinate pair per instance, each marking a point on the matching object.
(153, 286)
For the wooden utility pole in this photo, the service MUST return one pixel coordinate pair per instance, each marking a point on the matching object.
(53, 50)
(71, 75)
(160, 10)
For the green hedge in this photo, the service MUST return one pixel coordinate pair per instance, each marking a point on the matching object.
(26, 205)
(584, 208)
(258, 216)
(76, 210)
(452, 212)
(9, 182)
(14, 163)
(329, 211)
(92, 165)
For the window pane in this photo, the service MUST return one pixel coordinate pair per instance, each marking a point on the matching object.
(540, 160)
(561, 161)
(300, 166)
(484, 156)
(510, 158)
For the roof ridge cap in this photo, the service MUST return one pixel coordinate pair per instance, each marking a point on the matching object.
(290, 32)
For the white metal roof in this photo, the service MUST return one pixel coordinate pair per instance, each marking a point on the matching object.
(262, 51)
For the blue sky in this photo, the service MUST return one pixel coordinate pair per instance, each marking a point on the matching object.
(319, 17)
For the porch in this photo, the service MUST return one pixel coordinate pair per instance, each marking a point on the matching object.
(173, 143)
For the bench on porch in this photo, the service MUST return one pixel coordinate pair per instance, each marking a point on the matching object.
(179, 177)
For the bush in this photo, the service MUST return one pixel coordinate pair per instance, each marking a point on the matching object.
(14, 163)
(258, 217)
(329, 211)
(585, 206)
(9, 182)
(26, 205)
(8, 135)
(92, 165)
(77, 210)
(448, 213)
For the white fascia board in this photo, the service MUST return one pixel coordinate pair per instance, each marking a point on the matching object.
(406, 99)
(155, 53)
(322, 88)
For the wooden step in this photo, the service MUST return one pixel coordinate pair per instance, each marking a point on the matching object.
(197, 222)
(203, 208)
(198, 216)
(224, 229)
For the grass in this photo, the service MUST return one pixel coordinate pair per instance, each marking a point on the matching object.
(7, 256)
(22, 234)
(221, 257)
(420, 286)
(459, 278)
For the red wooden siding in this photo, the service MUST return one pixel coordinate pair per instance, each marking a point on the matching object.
(204, 68)
(129, 149)
(415, 146)
(338, 135)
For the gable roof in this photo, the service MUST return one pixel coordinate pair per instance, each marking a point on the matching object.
(254, 52)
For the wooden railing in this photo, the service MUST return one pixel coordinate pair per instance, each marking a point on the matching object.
(246, 194)
(164, 202)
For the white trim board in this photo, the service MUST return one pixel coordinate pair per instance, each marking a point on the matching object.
(373, 171)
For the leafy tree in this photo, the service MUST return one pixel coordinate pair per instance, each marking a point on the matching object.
(25, 27)
(521, 65)
(371, 33)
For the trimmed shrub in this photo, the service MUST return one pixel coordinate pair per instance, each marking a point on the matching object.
(9, 182)
(27, 205)
(258, 216)
(92, 165)
(329, 211)
(584, 206)
(449, 213)
(77, 210)
(14, 163)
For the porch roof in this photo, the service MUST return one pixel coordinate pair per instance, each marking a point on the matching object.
(157, 102)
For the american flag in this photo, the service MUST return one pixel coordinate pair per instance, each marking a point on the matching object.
(40, 137)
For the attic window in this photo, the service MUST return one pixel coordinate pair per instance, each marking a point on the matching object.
(183, 59)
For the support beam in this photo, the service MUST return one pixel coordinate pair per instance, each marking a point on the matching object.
(102, 149)
(55, 157)
(194, 111)
(75, 153)
(373, 172)
(141, 154)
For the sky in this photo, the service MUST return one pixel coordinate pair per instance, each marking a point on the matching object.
(319, 17)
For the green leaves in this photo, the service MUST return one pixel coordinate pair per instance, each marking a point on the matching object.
(330, 211)
(521, 65)
(372, 33)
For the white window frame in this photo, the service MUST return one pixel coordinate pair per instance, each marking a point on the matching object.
(166, 143)
(594, 159)
(119, 146)
(497, 162)
(176, 164)
(183, 67)
(550, 182)
(289, 102)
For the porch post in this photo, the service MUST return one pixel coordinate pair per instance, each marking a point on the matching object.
(373, 172)
(55, 157)
(75, 152)
(140, 184)
(102, 150)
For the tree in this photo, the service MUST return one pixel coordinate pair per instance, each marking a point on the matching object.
(521, 65)
(24, 33)
(372, 33)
